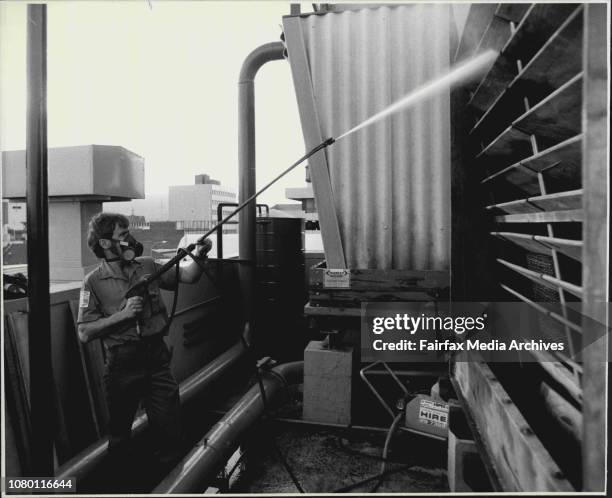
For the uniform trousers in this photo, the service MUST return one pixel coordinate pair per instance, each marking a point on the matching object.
(136, 372)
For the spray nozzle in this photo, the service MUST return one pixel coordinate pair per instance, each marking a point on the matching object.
(329, 141)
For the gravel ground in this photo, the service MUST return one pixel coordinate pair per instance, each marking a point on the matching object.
(326, 460)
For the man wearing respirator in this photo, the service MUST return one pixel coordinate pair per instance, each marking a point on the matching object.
(132, 331)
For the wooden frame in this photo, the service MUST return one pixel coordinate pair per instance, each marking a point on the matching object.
(595, 277)
(556, 154)
(378, 285)
(515, 458)
(309, 118)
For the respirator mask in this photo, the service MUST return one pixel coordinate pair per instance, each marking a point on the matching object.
(129, 248)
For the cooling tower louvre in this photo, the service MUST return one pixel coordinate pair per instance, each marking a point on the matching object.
(536, 154)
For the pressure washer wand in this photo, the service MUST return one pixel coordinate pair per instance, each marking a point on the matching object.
(327, 142)
(140, 286)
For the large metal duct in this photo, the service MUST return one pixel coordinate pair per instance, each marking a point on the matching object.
(391, 180)
(214, 449)
(89, 459)
(246, 164)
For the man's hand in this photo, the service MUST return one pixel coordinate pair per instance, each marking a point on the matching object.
(203, 250)
(133, 306)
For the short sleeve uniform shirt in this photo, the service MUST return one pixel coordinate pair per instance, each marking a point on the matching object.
(103, 294)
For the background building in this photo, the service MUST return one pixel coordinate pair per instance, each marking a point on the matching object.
(305, 195)
(13, 215)
(154, 207)
(194, 207)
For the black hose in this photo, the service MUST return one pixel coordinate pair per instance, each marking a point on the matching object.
(383, 472)
(354, 485)
(390, 434)
(262, 390)
(354, 452)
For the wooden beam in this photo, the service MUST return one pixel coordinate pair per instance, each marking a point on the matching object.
(497, 34)
(319, 172)
(560, 164)
(554, 119)
(515, 454)
(538, 24)
(564, 413)
(387, 280)
(543, 245)
(560, 373)
(542, 75)
(559, 201)
(542, 278)
(569, 215)
(475, 25)
(512, 11)
(331, 311)
(595, 254)
(557, 117)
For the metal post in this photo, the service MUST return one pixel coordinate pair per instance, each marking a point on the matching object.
(39, 329)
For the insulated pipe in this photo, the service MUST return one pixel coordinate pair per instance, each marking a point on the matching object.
(246, 164)
(214, 449)
(42, 413)
(89, 459)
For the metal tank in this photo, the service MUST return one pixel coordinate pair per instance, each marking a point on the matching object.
(390, 181)
(280, 292)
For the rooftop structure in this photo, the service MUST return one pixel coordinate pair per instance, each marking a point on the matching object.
(80, 179)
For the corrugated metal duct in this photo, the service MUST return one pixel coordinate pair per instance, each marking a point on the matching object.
(390, 181)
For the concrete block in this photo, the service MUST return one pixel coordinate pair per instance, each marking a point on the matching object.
(327, 399)
(327, 384)
(321, 361)
(459, 452)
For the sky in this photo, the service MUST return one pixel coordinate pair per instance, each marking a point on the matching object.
(159, 79)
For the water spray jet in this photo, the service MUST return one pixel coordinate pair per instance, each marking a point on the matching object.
(456, 74)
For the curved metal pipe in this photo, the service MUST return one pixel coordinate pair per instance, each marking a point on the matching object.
(90, 458)
(246, 164)
(205, 459)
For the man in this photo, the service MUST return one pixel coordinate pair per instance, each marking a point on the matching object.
(132, 331)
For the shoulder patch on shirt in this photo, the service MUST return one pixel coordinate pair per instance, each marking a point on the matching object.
(84, 299)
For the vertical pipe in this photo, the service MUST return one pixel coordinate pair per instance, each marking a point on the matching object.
(246, 164)
(39, 329)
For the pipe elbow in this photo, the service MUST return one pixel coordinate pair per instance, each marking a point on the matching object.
(265, 53)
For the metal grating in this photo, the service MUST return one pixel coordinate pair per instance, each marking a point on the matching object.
(390, 181)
